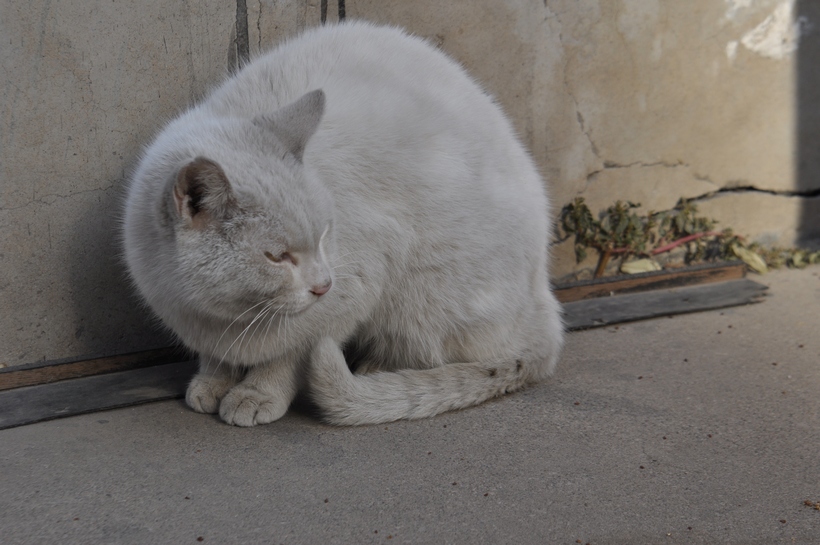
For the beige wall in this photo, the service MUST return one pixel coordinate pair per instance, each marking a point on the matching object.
(647, 100)
(650, 100)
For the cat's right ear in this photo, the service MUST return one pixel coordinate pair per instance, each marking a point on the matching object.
(295, 123)
(202, 193)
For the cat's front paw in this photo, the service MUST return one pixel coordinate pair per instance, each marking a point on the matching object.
(247, 406)
(205, 392)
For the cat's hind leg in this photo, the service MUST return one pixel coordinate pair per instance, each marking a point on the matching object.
(263, 396)
(210, 384)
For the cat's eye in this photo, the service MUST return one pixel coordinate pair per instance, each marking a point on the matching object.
(281, 258)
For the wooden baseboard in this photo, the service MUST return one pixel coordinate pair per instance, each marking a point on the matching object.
(54, 371)
(706, 273)
(31, 404)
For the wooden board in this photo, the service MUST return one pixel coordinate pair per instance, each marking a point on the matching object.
(669, 278)
(53, 371)
(69, 397)
(603, 311)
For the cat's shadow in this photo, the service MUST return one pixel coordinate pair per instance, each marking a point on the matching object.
(110, 318)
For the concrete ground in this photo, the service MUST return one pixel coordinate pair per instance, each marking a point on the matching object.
(702, 428)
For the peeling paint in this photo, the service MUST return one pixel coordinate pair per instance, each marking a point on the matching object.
(777, 36)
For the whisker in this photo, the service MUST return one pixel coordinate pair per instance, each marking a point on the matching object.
(235, 320)
(259, 321)
(352, 252)
(270, 321)
(271, 317)
(225, 331)
(279, 331)
(337, 265)
(242, 334)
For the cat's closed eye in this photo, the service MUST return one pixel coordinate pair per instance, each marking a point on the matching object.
(284, 257)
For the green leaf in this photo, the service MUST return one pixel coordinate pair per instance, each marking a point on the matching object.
(580, 253)
(623, 223)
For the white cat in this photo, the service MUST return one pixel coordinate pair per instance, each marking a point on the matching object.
(354, 189)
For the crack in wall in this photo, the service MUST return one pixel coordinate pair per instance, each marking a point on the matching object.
(323, 11)
(259, 28)
(565, 80)
(642, 164)
(743, 186)
(242, 39)
(809, 194)
(738, 186)
(613, 165)
(578, 115)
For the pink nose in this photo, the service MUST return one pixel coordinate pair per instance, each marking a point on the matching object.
(321, 290)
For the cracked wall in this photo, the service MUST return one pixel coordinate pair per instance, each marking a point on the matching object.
(645, 100)
(682, 100)
(650, 100)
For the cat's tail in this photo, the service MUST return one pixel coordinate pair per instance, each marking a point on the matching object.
(347, 399)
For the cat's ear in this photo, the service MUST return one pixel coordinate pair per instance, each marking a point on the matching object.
(202, 192)
(295, 123)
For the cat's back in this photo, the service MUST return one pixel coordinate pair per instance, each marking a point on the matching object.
(375, 77)
(395, 104)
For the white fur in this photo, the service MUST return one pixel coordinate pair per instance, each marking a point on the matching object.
(413, 196)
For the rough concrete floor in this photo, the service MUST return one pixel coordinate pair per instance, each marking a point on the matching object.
(702, 428)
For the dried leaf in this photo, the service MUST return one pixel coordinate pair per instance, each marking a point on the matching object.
(640, 266)
(750, 258)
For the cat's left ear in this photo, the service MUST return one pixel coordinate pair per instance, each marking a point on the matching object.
(295, 123)
(202, 193)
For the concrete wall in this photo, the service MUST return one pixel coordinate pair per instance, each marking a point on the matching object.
(647, 100)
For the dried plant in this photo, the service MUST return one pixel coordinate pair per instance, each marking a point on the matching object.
(621, 231)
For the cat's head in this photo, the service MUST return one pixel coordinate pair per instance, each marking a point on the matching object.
(251, 228)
